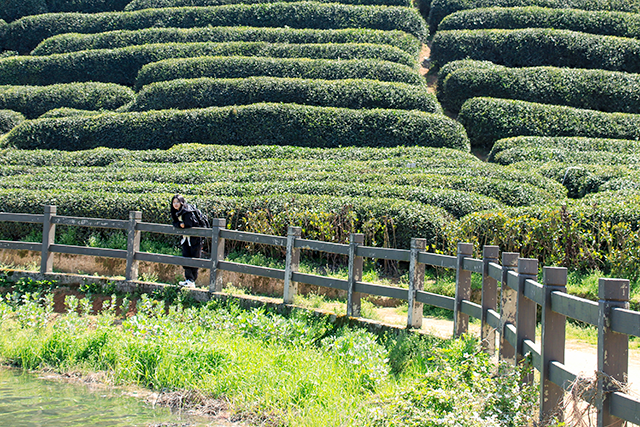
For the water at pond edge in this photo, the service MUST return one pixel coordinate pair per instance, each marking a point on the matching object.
(27, 400)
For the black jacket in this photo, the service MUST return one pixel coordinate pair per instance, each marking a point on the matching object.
(185, 215)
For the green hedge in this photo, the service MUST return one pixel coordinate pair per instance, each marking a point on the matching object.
(420, 167)
(9, 119)
(383, 221)
(26, 33)
(68, 112)
(488, 120)
(583, 179)
(33, 101)
(605, 23)
(457, 203)
(65, 43)
(15, 9)
(545, 154)
(441, 8)
(597, 232)
(575, 144)
(157, 4)
(121, 66)
(600, 90)
(244, 66)
(254, 124)
(537, 47)
(206, 92)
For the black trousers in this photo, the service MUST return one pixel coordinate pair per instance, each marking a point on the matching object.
(192, 251)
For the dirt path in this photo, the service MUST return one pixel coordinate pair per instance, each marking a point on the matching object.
(579, 355)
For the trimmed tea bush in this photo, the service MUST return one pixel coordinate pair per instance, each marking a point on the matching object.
(600, 90)
(121, 66)
(323, 217)
(33, 101)
(597, 232)
(15, 9)
(567, 144)
(207, 92)
(441, 8)
(147, 4)
(453, 66)
(606, 23)
(9, 119)
(244, 66)
(545, 154)
(26, 33)
(247, 125)
(487, 120)
(537, 47)
(67, 112)
(65, 43)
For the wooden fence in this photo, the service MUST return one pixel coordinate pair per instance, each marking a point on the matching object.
(510, 285)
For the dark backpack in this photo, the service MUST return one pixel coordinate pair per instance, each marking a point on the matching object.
(203, 220)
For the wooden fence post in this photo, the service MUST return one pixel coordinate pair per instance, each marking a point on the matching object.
(355, 274)
(217, 254)
(292, 264)
(48, 239)
(416, 283)
(489, 298)
(554, 279)
(507, 306)
(525, 311)
(613, 348)
(133, 245)
(463, 290)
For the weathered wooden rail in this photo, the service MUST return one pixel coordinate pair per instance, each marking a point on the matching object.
(510, 296)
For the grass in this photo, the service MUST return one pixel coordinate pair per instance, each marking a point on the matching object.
(272, 370)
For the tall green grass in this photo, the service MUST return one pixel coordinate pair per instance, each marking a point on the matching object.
(295, 371)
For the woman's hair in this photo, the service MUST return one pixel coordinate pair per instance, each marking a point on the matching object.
(180, 198)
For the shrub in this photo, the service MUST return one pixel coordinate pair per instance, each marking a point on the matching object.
(244, 66)
(67, 112)
(9, 119)
(573, 144)
(65, 43)
(597, 232)
(25, 34)
(33, 101)
(538, 46)
(607, 23)
(453, 66)
(246, 125)
(600, 90)
(323, 217)
(121, 66)
(147, 4)
(487, 120)
(441, 8)
(15, 9)
(545, 154)
(207, 92)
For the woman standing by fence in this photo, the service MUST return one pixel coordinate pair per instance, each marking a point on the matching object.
(183, 215)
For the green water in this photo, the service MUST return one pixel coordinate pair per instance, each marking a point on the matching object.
(29, 401)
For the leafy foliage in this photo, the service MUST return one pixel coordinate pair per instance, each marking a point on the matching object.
(33, 101)
(600, 90)
(146, 4)
(607, 23)
(25, 34)
(264, 124)
(534, 47)
(9, 119)
(65, 43)
(244, 66)
(356, 94)
(489, 119)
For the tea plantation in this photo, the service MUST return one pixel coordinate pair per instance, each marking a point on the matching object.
(277, 113)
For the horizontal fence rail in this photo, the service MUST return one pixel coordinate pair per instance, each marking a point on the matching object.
(510, 295)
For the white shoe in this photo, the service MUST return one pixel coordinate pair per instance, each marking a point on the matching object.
(190, 284)
(183, 283)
